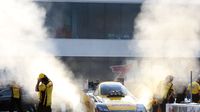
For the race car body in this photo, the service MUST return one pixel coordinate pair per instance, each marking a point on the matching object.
(113, 97)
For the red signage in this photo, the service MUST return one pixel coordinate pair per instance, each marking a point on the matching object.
(121, 69)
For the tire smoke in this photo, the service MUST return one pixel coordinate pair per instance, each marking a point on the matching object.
(167, 35)
(26, 51)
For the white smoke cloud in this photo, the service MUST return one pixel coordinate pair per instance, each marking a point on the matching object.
(167, 32)
(26, 52)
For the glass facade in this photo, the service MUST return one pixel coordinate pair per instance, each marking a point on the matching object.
(91, 20)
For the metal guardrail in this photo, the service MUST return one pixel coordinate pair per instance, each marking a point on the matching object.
(188, 107)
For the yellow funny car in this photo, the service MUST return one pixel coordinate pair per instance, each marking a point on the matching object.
(112, 97)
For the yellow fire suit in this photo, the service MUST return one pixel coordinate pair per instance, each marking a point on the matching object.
(16, 98)
(195, 91)
(45, 96)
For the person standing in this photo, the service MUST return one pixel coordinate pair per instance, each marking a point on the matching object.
(16, 97)
(166, 92)
(44, 87)
(195, 90)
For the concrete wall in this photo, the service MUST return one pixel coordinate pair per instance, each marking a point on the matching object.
(95, 48)
(113, 48)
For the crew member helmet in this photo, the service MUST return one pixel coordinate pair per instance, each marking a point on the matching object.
(41, 76)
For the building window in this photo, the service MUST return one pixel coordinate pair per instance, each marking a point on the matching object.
(79, 20)
(113, 21)
(91, 20)
(96, 21)
(58, 19)
(129, 13)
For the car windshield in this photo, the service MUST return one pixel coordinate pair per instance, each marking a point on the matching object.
(107, 88)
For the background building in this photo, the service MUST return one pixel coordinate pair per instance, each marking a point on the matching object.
(92, 35)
